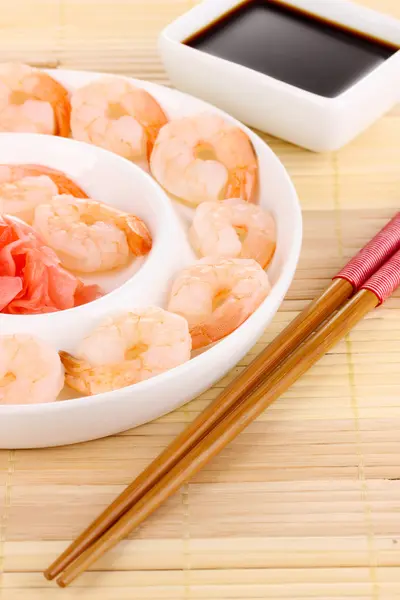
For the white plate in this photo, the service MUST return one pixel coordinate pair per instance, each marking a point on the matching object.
(112, 179)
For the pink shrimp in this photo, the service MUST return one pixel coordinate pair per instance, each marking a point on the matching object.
(24, 187)
(90, 236)
(30, 371)
(113, 113)
(217, 295)
(127, 349)
(32, 101)
(205, 158)
(234, 229)
(13, 173)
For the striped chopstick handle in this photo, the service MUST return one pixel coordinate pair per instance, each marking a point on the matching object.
(373, 255)
(386, 280)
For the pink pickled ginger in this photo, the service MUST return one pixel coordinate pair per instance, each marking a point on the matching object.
(32, 280)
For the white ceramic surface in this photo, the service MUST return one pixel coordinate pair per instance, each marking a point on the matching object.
(112, 179)
(295, 115)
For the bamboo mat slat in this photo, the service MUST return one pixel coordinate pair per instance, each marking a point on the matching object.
(306, 503)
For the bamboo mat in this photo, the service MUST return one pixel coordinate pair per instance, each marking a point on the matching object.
(306, 503)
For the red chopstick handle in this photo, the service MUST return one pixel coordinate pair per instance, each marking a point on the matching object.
(386, 280)
(373, 255)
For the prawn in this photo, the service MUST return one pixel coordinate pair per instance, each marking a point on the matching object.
(23, 187)
(89, 236)
(30, 371)
(113, 113)
(127, 349)
(65, 185)
(20, 199)
(204, 158)
(233, 229)
(31, 101)
(216, 295)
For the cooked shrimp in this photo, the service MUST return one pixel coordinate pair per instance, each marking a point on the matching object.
(113, 113)
(23, 187)
(89, 236)
(65, 185)
(32, 101)
(234, 229)
(20, 199)
(217, 295)
(30, 371)
(128, 349)
(204, 158)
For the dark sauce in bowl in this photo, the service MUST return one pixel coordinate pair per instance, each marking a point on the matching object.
(293, 46)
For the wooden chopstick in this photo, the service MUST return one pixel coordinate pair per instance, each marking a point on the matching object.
(349, 279)
(373, 293)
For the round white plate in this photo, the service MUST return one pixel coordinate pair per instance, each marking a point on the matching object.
(111, 179)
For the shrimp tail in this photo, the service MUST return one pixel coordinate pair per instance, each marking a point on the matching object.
(49, 90)
(242, 184)
(65, 185)
(77, 373)
(73, 365)
(137, 234)
(200, 337)
(82, 377)
(220, 325)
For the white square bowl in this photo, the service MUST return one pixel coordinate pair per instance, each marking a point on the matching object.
(314, 122)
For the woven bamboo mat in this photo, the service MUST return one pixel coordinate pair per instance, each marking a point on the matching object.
(306, 503)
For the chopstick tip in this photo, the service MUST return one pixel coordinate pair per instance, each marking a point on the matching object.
(61, 583)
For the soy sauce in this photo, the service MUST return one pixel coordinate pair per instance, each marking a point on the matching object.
(293, 46)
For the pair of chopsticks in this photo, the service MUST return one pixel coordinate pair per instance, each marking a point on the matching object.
(364, 283)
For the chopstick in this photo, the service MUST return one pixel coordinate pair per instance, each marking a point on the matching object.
(373, 293)
(348, 280)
